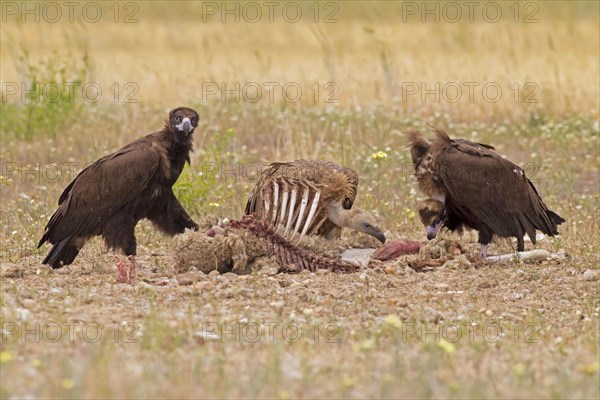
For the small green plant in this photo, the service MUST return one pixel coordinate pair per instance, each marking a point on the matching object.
(47, 98)
(205, 187)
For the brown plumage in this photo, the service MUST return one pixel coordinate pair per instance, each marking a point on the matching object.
(110, 196)
(310, 197)
(469, 184)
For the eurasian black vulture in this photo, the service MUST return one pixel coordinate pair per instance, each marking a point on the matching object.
(111, 195)
(310, 197)
(469, 184)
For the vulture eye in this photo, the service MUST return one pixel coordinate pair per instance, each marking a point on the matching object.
(177, 118)
(195, 120)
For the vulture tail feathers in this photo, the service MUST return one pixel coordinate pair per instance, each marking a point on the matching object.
(557, 219)
(61, 254)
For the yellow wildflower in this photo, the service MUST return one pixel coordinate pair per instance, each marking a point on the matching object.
(68, 384)
(5, 357)
(447, 346)
(393, 321)
(380, 155)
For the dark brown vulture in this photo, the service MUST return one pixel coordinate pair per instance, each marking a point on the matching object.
(310, 198)
(469, 184)
(110, 196)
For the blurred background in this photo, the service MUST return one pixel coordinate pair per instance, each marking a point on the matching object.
(281, 81)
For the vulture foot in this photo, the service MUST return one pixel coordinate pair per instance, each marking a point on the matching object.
(483, 251)
(125, 276)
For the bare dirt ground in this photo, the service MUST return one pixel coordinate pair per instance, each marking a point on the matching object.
(499, 331)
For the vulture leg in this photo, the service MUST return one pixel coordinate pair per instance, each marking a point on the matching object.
(311, 213)
(132, 266)
(485, 237)
(483, 251)
(520, 243)
(123, 274)
(119, 234)
(121, 271)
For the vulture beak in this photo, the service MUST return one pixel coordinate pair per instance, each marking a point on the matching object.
(432, 230)
(185, 125)
(380, 236)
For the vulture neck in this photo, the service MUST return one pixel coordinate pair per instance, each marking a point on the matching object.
(178, 144)
(340, 216)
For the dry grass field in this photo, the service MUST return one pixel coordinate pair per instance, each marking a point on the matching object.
(342, 82)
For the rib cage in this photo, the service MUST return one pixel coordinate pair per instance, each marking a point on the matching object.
(292, 206)
(287, 253)
(293, 197)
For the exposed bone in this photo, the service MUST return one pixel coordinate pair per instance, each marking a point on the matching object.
(275, 201)
(291, 213)
(284, 202)
(302, 210)
(530, 257)
(287, 253)
(267, 202)
(311, 213)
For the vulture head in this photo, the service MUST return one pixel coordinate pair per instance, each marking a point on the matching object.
(182, 122)
(356, 219)
(433, 214)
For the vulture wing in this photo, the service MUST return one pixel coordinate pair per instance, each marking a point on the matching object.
(295, 194)
(102, 189)
(493, 189)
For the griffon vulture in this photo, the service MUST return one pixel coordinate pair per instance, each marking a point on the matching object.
(469, 184)
(310, 197)
(110, 196)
